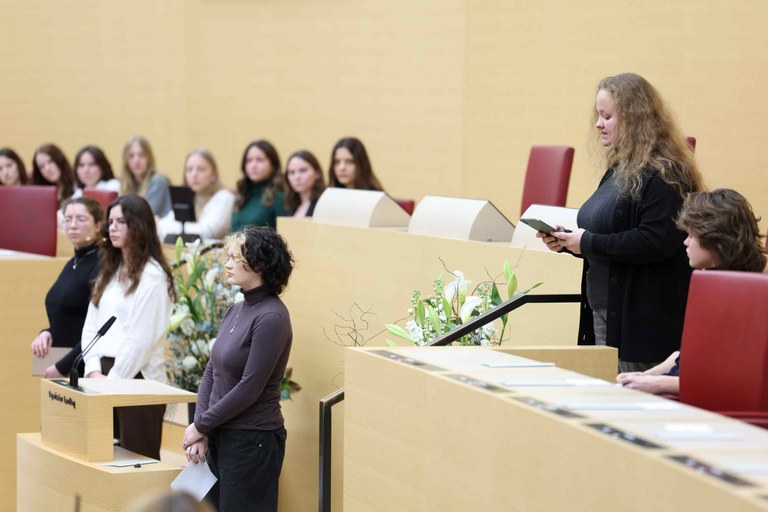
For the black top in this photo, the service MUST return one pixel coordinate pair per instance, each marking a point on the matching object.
(67, 303)
(596, 216)
(648, 274)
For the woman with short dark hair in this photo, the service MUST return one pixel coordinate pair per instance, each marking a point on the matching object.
(238, 420)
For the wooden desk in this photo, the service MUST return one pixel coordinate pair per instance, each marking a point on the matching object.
(51, 481)
(439, 431)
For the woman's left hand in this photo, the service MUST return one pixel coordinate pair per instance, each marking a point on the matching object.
(570, 241)
(191, 436)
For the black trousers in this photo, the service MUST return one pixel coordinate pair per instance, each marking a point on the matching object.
(139, 428)
(247, 464)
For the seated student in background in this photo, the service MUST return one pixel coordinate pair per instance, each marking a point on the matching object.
(350, 167)
(260, 195)
(12, 170)
(140, 176)
(723, 235)
(213, 203)
(50, 167)
(136, 286)
(305, 181)
(67, 301)
(93, 170)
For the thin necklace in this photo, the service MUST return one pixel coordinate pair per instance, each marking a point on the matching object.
(237, 316)
(78, 260)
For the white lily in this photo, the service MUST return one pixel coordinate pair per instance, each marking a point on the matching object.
(457, 286)
(189, 362)
(210, 278)
(470, 304)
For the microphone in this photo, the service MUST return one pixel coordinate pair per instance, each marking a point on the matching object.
(74, 375)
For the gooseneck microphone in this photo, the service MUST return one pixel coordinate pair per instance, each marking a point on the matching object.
(74, 375)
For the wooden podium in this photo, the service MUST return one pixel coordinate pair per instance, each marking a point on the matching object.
(63, 466)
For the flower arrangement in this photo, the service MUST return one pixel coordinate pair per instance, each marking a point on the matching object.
(202, 299)
(449, 306)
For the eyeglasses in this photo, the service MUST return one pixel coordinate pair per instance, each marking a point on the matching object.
(80, 219)
(117, 223)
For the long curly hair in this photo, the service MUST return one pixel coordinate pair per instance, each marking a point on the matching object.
(143, 242)
(724, 223)
(275, 179)
(365, 179)
(66, 184)
(292, 198)
(646, 136)
(265, 252)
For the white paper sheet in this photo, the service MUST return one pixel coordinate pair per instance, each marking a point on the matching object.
(195, 479)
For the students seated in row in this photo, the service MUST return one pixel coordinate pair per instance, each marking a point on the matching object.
(140, 176)
(304, 183)
(93, 170)
(12, 170)
(350, 166)
(213, 203)
(260, 196)
(51, 167)
(722, 234)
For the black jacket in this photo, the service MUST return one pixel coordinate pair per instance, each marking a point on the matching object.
(649, 274)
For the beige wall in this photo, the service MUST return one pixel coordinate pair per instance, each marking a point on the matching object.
(448, 95)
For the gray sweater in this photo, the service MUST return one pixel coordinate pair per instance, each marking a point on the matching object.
(240, 388)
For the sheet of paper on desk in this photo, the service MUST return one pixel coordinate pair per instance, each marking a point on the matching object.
(517, 364)
(195, 479)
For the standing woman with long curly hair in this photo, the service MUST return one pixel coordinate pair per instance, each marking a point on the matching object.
(135, 285)
(260, 195)
(636, 273)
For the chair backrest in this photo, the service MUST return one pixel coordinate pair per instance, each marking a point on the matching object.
(691, 141)
(724, 352)
(406, 204)
(28, 222)
(104, 197)
(547, 176)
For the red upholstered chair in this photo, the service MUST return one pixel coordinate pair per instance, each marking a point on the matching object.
(724, 352)
(547, 176)
(28, 222)
(691, 141)
(406, 204)
(104, 197)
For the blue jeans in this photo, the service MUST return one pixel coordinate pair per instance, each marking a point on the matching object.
(247, 464)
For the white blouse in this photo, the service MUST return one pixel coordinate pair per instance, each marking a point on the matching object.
(137, 338)
(214, 222)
